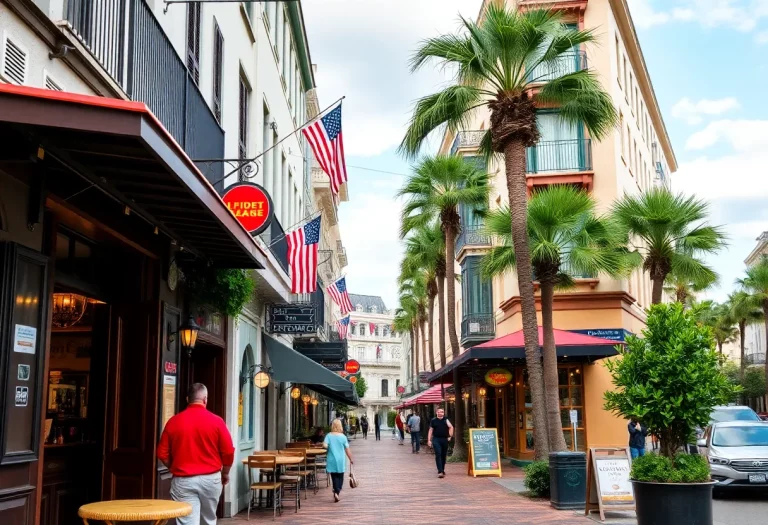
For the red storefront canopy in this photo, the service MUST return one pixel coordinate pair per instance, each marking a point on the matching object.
(429, 396)
(563, 338)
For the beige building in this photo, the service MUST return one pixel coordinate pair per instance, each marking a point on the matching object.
(754, 337)
(634, 158)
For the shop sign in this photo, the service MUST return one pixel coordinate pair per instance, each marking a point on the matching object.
(24, 339)
(498, 377)
(614, 334)
(334, 367)
(291, 319)
(608, 483)
(352, 367)
(484, 457)
(251, 205)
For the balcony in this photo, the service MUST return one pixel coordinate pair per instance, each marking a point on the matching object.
(754, 359)
(477, 328)
(467, 140)
(565, 64)
(471, 236)
(127, 40)
(566, 268)
(562, 156)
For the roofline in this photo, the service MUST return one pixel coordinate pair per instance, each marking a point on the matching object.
(299, 30)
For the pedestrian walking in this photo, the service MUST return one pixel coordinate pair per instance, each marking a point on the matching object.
(414, 427)
(337, 445)
(440, 433)
(400, 427)
(637, 434)
(364, 426)
(377, 427)
(197, 449)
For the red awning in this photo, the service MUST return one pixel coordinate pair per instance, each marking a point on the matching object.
(429, 396)
(563, 338)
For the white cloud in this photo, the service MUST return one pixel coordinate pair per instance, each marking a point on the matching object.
(728, 177)
(693, 112)
(762, 37)
(741, 15)
(749, 136)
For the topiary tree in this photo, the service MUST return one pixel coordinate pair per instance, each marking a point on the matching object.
(670, 379)
(361, 386)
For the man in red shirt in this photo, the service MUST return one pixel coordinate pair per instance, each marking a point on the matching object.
(197, 449)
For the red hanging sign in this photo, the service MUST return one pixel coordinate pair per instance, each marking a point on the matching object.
(251, 205)
(352, 367)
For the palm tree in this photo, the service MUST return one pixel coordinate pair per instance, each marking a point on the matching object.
(744, 311)
(425, 251)
(567, 239)
(493, 60)
(673, 235)
(413, 290)
(756, 283)
(718, 318)
(403, 322)
(434, 192)
(683, 290)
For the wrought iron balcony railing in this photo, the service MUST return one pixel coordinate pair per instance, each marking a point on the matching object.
(472, 236)
(564, 64)
(467, 139)
(559, 155)
(478, 327)
(754, 359)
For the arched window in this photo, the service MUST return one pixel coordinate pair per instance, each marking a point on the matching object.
(247, 400)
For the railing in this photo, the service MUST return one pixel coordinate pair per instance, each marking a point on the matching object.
(563, 65)
(278, 245)
(467, 139)
(754, 359)
(559, 155)
(478, 327)
(136, 52)
(472, 236)
(567, 269)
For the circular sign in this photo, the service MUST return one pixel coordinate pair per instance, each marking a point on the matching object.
(401, 389)
(251, 205)
(343, 373)
(498, 377)
(353, 379)
(352, 367)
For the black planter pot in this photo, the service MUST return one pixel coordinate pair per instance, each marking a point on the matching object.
(673, 503)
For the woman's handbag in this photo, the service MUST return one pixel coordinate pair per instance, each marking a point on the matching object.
(353, 483)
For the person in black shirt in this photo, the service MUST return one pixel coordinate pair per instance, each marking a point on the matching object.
(440, 432)
(637, 434)
(377, 427)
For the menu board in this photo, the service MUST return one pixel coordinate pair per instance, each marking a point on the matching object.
(608, 483)
(484, 457)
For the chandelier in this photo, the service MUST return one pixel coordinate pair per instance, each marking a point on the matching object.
(68, 309)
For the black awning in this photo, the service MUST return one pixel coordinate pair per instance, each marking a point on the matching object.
(121, 149)
(289, 366)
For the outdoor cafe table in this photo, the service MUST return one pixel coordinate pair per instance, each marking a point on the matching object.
(158, 511)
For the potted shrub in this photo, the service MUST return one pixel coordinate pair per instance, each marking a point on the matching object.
(669, 380)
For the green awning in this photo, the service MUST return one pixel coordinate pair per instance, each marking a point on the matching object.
(290, 366)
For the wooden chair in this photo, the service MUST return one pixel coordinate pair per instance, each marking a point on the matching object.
(269, 464)
(298, 444)
(319, 464)
(300, 471)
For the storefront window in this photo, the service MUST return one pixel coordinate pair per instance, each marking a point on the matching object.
(572, 398)
(247, 399)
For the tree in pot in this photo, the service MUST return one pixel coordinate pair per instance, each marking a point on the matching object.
(669, 380)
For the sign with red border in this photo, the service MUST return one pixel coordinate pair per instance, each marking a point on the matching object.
(352, 367)
(251, 205)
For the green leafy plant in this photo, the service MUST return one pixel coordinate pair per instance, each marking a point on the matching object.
(669, 379)
(391, 418)
(754, 382)
(226, 290)
(683, 468)
(361, 387)
(537, 478)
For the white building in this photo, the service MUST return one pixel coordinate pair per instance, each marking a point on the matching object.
(754, 337)
(378, 349)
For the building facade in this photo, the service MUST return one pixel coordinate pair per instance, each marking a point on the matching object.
(754, 336)
(379, 350)
(637, 156)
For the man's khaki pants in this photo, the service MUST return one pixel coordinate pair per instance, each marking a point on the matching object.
(202, 492)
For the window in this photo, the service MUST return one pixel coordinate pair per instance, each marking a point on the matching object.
(247, 400)
(193, 41)
(637, 106)
(265, 145)
(560, 146)
(634, 157)
(218, 59)
(278, 31)
(618, 61)
(286, 43)
(621, 128)
(242, 134)
(397, 384)
(376, 330)
(641, 167)
(631, 89)
(361, 352)
(373, 309)
(385, 331)
(476, 292)
(384, 388)
(362, 328)
(359, 308)
(572, 398)
(626, 84)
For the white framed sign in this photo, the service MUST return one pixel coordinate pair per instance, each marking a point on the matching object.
(608, 483)
(24, 339)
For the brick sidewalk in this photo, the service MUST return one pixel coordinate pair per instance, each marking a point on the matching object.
(399, 487)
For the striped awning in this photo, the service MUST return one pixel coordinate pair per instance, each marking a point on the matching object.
(429, 396)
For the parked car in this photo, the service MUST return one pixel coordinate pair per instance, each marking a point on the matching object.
(763, 415)
(737, 452)
(732, 413)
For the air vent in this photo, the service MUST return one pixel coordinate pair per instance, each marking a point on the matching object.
(14, 62)
(52, 84)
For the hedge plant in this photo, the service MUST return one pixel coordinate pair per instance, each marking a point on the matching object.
(537, 479)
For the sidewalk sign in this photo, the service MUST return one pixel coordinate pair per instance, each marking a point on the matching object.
(484, 458)
(608, 484)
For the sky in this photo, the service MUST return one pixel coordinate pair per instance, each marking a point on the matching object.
(708, 61)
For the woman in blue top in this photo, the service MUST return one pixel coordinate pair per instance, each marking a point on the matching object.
(338, 445)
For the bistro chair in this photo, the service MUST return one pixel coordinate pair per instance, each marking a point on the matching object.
(301, 471)
(298, 444)
(262, 464)
(320, 464)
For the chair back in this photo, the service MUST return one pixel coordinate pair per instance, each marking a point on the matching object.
(297, 452)
(298, 444)
(262, 461)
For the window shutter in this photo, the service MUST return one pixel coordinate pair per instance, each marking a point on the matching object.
(218, 59)
(242, 142)
(193, 41)
(15, 62)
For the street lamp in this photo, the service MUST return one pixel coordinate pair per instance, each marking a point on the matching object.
(315, 402)
(465, 395)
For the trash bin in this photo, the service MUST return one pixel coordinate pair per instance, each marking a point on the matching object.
(568, 480)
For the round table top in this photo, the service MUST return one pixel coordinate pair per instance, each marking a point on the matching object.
(134, 510)
(316, 451)
(282, 460)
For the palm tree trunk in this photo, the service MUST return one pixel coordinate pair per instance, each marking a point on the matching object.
(459, 447)
(742, 330)
(414, 384)
(423, 346)
(720, 347)
(450, 279)
(441, 318)
(514, 163)
(551, 387)
(416, 353)
(431, 321)
(657, 290)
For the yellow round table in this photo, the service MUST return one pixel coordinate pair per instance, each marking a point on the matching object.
(158, 511)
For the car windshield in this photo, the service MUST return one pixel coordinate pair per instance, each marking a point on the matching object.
(733, 414)
(747, 436)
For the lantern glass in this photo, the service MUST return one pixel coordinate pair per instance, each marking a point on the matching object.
(261, 379)
(306, 398)
(188, 333)
(295, 392)
(465, 395)
(315, 402)
(482, 391)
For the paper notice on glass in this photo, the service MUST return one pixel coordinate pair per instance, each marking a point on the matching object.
(613, 480)
(169, 402)
(24, 339)
(169, 380)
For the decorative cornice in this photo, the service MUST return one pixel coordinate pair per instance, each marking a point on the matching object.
(578, 301)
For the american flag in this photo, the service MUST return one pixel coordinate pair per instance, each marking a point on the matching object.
(325, 138)
(302, 256)
(340, 296)
(342, 325)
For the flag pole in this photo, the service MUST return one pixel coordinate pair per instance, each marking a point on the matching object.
(309, 217)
